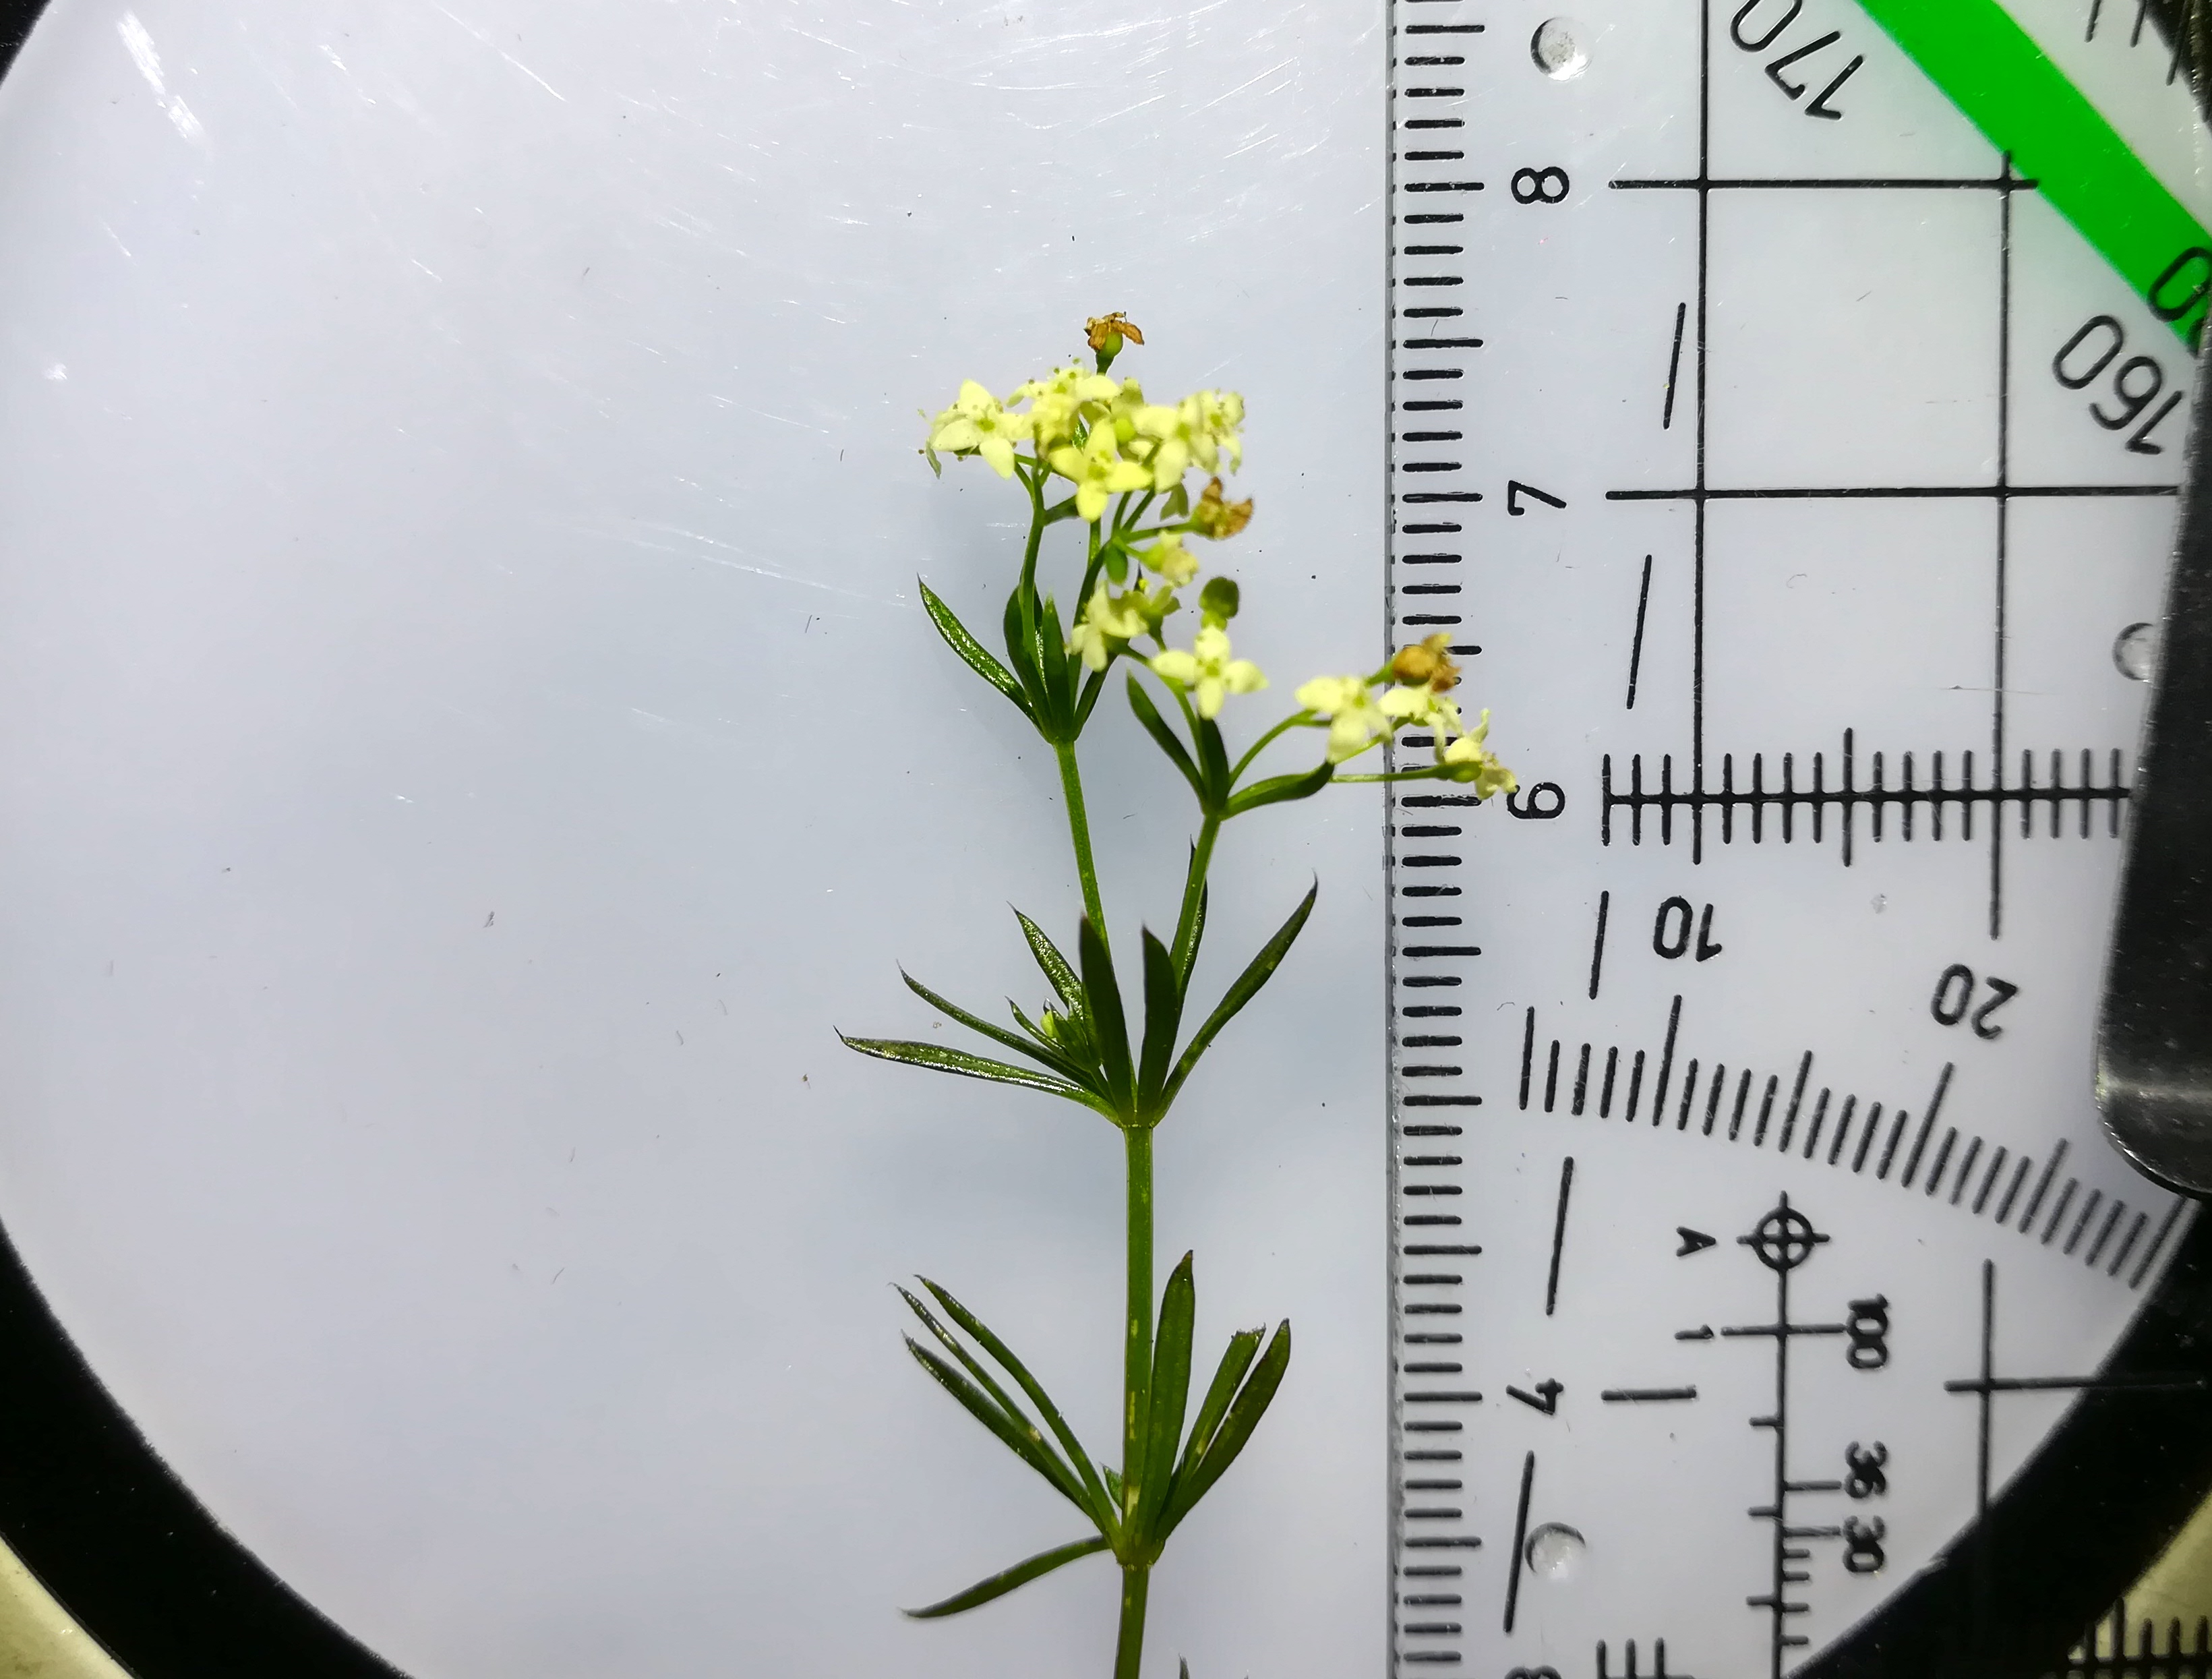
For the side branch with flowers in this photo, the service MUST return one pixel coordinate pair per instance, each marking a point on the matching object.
(1090, 450)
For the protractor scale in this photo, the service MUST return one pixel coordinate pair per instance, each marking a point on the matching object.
(1767, 1299)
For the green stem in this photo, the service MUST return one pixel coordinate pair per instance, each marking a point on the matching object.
(1078, 828)
(1194, 890)
(1137, 1353)
(1265, 740)
(1129, 1648)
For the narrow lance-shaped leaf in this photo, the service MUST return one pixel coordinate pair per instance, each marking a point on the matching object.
(1041, 1051)
(1022, 651)
(1243, 1416)
(1024, 1441)
(1020, 1574)
(1061, 1475)
(1029, 1384)
(1277, 788)
(1235, 1361)
(1109, 1027)
(1256, 975)
(1213, 758)
(1058, 969)
(1163, 1020)
(973, 653)
(1058, 667)
(1156, 726)
(1093, 686)
(943, 1058)
(1171, 1394)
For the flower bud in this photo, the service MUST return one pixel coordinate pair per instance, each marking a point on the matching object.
(1219, 600)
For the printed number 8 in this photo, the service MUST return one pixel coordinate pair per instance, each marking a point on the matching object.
(1547, 186)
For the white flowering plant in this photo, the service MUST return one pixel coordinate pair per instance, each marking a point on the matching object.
(1091, 450)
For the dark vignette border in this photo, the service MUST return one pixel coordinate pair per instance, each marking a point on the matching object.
(94, 1513)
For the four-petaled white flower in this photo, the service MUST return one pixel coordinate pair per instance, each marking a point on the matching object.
(1109, 622)
(978, 424)
(1355, 721)
(1170, 559)
(1424, 706)
(1098, 472)
(1468, 759)
(1207, 672)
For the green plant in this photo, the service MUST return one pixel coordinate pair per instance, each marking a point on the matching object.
(1128, 461)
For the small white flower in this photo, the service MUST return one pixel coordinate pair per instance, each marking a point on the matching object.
(1207, 672)
(1097, 471)
(1170, 559)
(1355, 721)
(1468, 759)
(1109, 622)
(977, 423)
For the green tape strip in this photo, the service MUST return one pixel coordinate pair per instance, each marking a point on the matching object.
(1989, 67)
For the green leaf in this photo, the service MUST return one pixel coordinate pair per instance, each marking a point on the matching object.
(1029, 1384)
(1057, 968)
(1021, 649)
(973, 653)
(1163, 1020)
(1109, 1027)
(1093, 686)
(1213, 760)
(1256, 975)
(1019, 1437)
(1057, 666)
(1171, 1394)
(1243, 1416)
(1073, 1042)
(942, 1058)
(1156, 726)
(1236, 1359)
(1060, 1477)
(1020, 1574)
(1277, 788)
(1185, 1672)
(1043, 1050)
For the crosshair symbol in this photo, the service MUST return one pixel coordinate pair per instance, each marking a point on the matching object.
(1784, 1240)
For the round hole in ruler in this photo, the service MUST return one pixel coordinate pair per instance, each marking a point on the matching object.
(1557, 47)
(1555, 1553)
(2135, 651)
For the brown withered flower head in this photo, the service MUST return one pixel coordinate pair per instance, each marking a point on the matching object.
(1101, 330)
(1216, 518)
(1426, 662)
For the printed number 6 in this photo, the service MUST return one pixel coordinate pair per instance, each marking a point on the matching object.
(1547, 186)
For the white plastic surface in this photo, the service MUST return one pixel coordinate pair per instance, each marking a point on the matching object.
(470, 733)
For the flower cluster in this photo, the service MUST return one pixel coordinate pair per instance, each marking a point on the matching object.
(1124, 459)
(1420, 677)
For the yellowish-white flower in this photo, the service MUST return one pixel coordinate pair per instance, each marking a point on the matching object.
(1170, 559)
(1199, 430)
(1423, 706)
(1098, 472)
(1061, 399)
(1207, 672)
(1110, 621)
(1469, 759)
(978, 424)
(1355, 721)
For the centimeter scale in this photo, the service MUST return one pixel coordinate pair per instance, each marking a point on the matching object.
(1799, 484)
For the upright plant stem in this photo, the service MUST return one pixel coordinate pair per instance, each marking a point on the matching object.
(1129, 1650)
(1078, 828)
(1136, 1390)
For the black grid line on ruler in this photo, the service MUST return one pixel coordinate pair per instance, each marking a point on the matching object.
(1699, 798)
(1428, 490)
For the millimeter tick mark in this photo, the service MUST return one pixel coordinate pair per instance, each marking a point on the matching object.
(1674, 366)
(1597, 949)
(1558, 1234)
